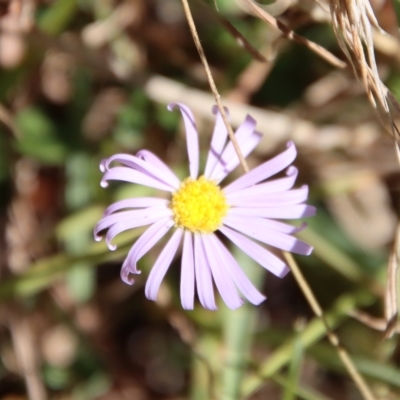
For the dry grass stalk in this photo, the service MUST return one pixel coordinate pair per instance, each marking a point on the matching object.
(333, 339)
(322, 52)
(391, 300)
(211, 82)
(353, 22)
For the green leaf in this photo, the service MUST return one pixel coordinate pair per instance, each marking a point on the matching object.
(39, 137)
(56, 18)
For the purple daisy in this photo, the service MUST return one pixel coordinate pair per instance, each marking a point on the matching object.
(245, 211)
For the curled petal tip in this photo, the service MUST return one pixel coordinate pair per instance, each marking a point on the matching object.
(290, 143)
(97, 238)
(102, 165)
(128, 281)
(140, 155)
(311, 211)
(111, 246)
(103, 184)
(300, 228)
(310, 250)
(291, 171)
(171, 106)
(125, 277)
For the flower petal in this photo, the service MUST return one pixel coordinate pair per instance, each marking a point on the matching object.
(150, 157)
(192, 137)
(133, 176)
(265, 170)
(276, 185)
(261, 223)
(264, 257)
(246, 147)
(144, 244)
(232, 268)
(147, 218)
(148, 168)
(275, 199)
(286, 212)
(271, 237)
(110, 220)
(140, 202)
(247, 139)
(204, 282)
(187, 273)
(222, 278)
(218, 141)
(162, 264)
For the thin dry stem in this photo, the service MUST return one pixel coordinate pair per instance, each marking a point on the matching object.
(322, 52)
(391, 301)
(379, 324)
(211, 82)
(231, 29)
(348, 363)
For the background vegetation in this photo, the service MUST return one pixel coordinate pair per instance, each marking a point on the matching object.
(83, 79)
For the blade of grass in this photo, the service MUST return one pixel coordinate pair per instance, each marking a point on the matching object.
(203, 368)
(43, 273)
(312, 333)
(327, 356)
(301, 392)
(238, 328)
(334, 340)
(294, 370)
(58, 16)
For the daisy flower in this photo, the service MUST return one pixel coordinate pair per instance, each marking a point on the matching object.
(245, 212)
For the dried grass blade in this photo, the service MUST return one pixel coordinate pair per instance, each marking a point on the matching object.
(241, 40)
(353, 22)
(231, 29)
(391, 298)
(322, 52)
(378, 324)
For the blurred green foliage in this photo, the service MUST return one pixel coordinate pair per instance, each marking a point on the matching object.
(125, 343)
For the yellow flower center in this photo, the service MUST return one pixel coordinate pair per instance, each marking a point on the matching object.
(199, 205)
